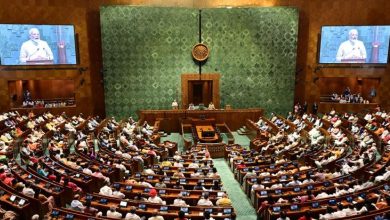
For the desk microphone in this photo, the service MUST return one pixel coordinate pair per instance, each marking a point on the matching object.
(35, 52)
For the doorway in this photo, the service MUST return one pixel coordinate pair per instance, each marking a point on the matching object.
(200, 92)
(200, 89)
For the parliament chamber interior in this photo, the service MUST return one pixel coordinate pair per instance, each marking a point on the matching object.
(202, 110)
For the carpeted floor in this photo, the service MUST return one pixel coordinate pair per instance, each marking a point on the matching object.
(242, 140)
(241, 203)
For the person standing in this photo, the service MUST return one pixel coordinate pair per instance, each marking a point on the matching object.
(35, 49)
(352, 49)
(315, 108)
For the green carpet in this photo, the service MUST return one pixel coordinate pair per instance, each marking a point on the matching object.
(175, 137)
(242, 140)
(241, 203)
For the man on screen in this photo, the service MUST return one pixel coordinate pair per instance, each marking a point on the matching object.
(35, 49)
(352, 50)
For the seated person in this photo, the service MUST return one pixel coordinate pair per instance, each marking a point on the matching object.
(76, 204)
(155, 216)
(117, 193)
(199, 186)
(106, 190)
(179, 201)
(177, 185)
(211, 106)
(224, 201)
(154, 198)
(90, 210)
(191, 106)
(112, 213)
(204, 201)
(181, 216)
(216, 185)
(132, 215)
(174, 104)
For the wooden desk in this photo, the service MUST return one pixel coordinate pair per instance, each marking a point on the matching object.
(324, 202)
(64, 213)
(87, 182)
(167, 194)
(195, 212)
(171, 181)
(24, 211)
(170, 119)
(203, 131)
(62, 195)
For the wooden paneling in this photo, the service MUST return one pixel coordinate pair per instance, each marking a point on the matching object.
(329, 85)
(41, 89)
(233, 118)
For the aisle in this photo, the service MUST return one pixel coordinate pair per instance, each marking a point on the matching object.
(241, 204)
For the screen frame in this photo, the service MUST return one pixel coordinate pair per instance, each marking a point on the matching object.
(12, 198)
(294, 207)
(49, 66)
(164, 208)
(142, 206)
(227, 211)
(359, 65)
(123, 204)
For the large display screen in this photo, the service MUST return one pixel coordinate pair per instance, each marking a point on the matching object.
(354, 44)
(28, 44)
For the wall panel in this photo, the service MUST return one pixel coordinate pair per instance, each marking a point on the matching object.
(254, 49)
(145, 50)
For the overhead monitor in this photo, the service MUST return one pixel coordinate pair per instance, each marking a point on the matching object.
(354, 44)
(36, 44)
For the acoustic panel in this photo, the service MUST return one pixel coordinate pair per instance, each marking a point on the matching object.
(145, 50)
(254, 49)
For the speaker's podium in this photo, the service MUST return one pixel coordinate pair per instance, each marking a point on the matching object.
(39, 62)
(353, 60)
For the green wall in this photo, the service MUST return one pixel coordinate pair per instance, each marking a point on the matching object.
(254, 49)
(145, 50)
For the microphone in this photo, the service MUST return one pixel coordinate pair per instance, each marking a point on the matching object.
(35, 51)
(29, 57)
